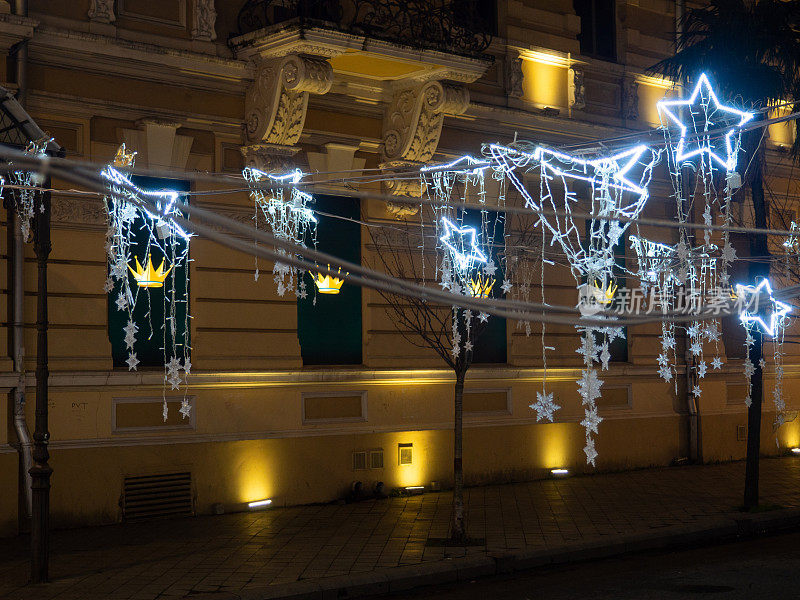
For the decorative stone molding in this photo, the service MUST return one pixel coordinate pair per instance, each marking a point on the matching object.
(204, 19)
(413, 122)
(78, 211)
(514, 77)
(157, 144)
(102, 11)
(578, 89)
(270, 158)
(630, 99)
(276, 103)
(402, 210)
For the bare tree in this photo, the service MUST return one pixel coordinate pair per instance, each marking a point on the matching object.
(407, 251)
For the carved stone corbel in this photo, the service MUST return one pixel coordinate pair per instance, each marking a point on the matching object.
(276, 103)
(204, 19)
(102, 11)
(412, 127)
(270, 158)
(578, 89)
(630, 99)
(514, 77)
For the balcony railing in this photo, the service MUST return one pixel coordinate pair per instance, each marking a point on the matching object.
(453, 26)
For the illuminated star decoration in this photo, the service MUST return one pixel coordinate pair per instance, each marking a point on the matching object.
(593, 170)
(464, 254)
(704, 108)
(778, 310)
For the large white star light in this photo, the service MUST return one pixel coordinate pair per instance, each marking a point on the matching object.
(749, 297)
(614, 167)
(461, 243)
(704, 110)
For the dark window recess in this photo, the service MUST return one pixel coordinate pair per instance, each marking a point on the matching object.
(598, 28)
(149, 346)
(619, 347)
(491, 345)
(330, 332)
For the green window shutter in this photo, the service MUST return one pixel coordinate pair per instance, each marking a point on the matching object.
(330, 331)
(150, 307)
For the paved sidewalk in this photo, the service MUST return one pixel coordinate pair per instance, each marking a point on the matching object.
(249, 555)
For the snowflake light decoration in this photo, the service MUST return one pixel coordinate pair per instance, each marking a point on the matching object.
(614, 190)
(135, 232)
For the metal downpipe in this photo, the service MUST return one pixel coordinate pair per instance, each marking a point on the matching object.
(25, 448)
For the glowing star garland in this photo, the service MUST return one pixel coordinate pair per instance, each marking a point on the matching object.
(618, 191)
(464, 254)
(750, 313)
(700, 104)
(615, 168)
(137, 229)
(288, 216)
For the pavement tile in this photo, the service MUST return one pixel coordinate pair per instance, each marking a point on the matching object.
(364, 546)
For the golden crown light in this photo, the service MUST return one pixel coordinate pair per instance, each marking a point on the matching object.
(148, 277)
(124, 158)
(328, 284)
(480, 287)
(604, 296)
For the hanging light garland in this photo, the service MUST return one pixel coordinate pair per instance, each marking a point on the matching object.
(131, 229)
(288, 216)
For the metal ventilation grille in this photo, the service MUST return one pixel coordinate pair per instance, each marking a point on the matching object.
(154, 496)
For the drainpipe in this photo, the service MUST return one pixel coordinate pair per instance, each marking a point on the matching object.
(18, 287)
(20, 423)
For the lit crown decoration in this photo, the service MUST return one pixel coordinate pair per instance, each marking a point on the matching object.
(328, 284)
(777, 311)
(704, 108)
(481, 287)
(124, 158)
(464, 253)
(604, 296)
(149, 277)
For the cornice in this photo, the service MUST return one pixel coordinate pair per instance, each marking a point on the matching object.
(91, 52)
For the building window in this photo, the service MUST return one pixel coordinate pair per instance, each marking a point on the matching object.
(598, 28)
(329, 325)
(618, 347)
(491, 346)
(152, 304)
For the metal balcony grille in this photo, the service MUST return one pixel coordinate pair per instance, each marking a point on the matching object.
(455, 26)
(157, 496)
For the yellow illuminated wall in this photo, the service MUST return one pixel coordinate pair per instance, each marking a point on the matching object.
(545, 82)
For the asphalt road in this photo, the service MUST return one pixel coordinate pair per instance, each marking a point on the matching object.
(766, 568)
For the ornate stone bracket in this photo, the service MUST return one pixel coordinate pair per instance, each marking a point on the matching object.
(514, 77)
(630, 99)
(204, 19)
(270, 158)
(276, 103)
(102, 11)
(577, 89)
(413, 124)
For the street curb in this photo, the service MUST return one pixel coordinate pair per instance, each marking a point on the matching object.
(468, 568)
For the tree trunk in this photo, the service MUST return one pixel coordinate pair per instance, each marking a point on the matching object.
(758, 268)
(459, 529)
(754, 425)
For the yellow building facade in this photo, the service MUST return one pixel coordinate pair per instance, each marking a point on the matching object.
(203, 85)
